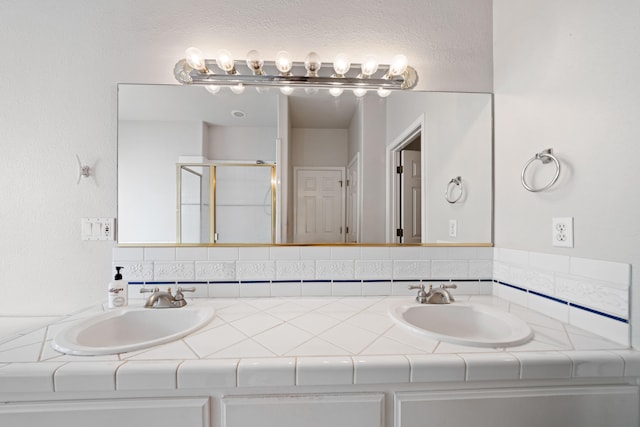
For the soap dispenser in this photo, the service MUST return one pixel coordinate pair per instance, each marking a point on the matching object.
(117, 291)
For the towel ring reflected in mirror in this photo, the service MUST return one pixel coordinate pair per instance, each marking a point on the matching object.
(545, 157)
(455, 183)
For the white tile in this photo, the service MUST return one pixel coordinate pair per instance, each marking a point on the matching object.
(433, 253)
(315, 252)
(436, 368)
(588, 364)
(484, 253)
(255, 270)
(37, 336)
(282, 338)
(223, 254)
(253, 253)
(25, 353)
(243, 349)
(284, 252)
(631, 362)
(408, 269)
(500, 271)
(159, 254)
(346, 288)
(376, 288)
(371, 321)
(147, 375)
(254, 290)
(465, 253)
(135, 271)
(213, 340)
(317, 347)
(170, 351)
(402, 288)
(346, 253)
(510, 294)
(324, 371)
(267, 372)
(286, 289)
(207, 373)
(512, 256)
(491, 366)
(480, 269)
(380, 369)
(256, 323)
(191, 254)
(554, 309)
(316, 288)
(449, 269)
(86, 376)
(224, 290)
(548, 262)
(376, 253)
(607, 271)
(127, 254)
(314, 323)
(373, 269)
(388, 346)
(335, 270)
(182, 270)
(295, 270)
(613, 330)
(543, 365)
(406, 252)
(591, 294)
(351, 338)
(28, 377)
(403, 335)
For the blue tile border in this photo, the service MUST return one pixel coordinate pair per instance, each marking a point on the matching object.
(561, 301)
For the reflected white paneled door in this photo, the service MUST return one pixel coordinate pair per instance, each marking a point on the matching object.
(319, 210)
(410, 181)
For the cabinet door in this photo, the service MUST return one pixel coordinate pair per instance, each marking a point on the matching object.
(182, 412)
(325, 410)
(595, 406)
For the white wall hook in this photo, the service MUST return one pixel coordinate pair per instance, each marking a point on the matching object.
(83, 171)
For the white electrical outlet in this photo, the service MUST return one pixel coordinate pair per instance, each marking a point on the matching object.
(97, 228)
(562, 232)
(453, 228)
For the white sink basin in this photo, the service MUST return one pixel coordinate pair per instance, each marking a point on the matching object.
(463, 323)
(130, 328)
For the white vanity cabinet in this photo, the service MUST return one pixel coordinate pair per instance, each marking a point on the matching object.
(158, 412)
(593, 406)
(308, 410)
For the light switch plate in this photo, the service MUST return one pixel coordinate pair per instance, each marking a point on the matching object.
(97, 228)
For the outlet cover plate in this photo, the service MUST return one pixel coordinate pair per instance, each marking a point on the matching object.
(562, 232)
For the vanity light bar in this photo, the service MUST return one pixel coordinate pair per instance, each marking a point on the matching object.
(283, 72)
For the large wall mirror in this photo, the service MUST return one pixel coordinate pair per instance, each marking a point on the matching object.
(196, 168)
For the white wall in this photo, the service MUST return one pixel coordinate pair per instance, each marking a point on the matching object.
(319, 147)
(566, 77)
(241, 143)
(60, 65)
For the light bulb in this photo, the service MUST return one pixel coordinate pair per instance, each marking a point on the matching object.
(286, 90)
(212, 89)
(341, 65)
(237, 89)
(336, 91)
(224, 60)
(255, 62)
(383, 93)
(369, 66)
(283, 62)
(195, 58)
(398, 65)
(312, 63)
(311, 90)
(359, 92)
(262, 89)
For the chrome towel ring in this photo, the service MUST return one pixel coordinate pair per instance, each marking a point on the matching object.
(545, 157)
(452, 185)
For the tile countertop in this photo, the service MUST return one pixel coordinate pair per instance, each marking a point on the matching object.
(309, 342)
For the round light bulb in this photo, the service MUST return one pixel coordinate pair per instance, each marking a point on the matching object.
(369, 66)
(311, 90)
(359, 92)
(383, 93)
(212, 89)
(284, 62)
(195, 58)
(341, 64)
(312, 63)
(336, 91)
(262, 89)
(224, 60)
(398, 65)
(237, 89)
(255, 62)
(286, 90)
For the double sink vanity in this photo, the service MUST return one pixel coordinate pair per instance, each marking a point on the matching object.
(317, 361)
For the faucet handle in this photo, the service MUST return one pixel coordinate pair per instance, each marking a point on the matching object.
(145, 290)
(181, 289)
(420, 286)
(451, 286)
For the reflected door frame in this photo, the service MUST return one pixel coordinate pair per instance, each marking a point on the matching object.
(393, 213)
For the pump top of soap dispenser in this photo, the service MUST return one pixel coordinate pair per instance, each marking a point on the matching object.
(118, 276)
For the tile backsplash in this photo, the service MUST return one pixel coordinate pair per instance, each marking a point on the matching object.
(588, 294)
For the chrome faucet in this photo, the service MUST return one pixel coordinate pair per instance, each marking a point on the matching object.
(435, 296)
(164, 299)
